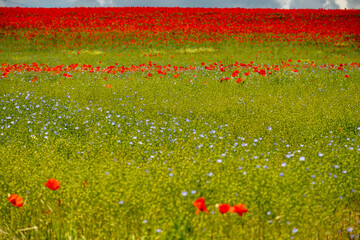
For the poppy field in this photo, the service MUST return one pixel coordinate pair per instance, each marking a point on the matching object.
(179, 123)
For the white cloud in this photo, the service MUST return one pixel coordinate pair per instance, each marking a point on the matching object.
(342, 3)
(191, 3)
(327, 4)
(330, 4)
(284, 4)
(88, 3)
(106, 3)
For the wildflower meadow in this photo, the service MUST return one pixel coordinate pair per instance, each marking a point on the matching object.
(179, 123)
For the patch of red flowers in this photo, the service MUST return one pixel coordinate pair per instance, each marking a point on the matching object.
(67, 75)
(235, 73)
(224, 79)
(223, 208)
(138, 24)
(239, 80)
(239, 208)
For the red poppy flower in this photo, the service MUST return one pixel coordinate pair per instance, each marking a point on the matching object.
(347, 76)
(247, 73)
(16, 200)
(34, 79)
(224, 79)
(150, 75)
(200, 204)
(108, 86)
(239, 209)
(52, 184)
(224, 208)
(239, 80)
(262, 72)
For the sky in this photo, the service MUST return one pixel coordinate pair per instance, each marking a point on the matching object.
(284, 4)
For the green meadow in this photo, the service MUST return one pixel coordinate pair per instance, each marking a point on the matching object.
(133, 151)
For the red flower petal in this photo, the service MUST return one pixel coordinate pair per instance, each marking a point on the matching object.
(16, 200)
(53, 184)
(224, 208)
(239, 209)
(200, 204)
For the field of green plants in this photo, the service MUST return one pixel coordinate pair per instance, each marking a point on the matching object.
(136, 134)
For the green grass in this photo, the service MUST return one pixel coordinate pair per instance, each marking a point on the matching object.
(126, 155)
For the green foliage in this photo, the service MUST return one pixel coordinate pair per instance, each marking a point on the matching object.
(132, 158)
